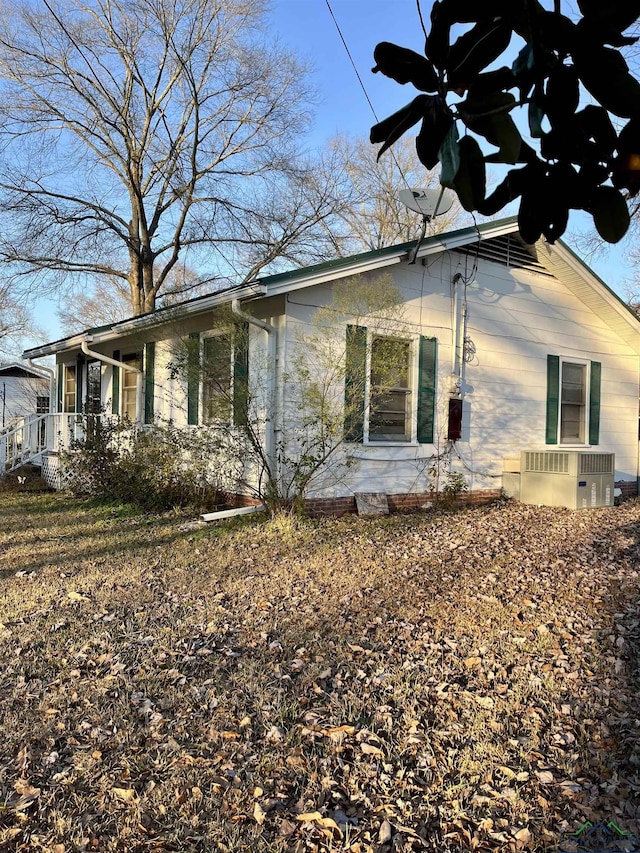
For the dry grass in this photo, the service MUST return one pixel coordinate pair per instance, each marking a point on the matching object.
(424, 682)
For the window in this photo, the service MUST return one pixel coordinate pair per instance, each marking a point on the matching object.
(69, 393)
(94, 399)
(390, 390)
(216, 378)
(573, 394)
(573, 401)
(130, 387)
(389, 387)
(42, 405)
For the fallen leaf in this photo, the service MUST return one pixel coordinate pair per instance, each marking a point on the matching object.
(127, 795)
(385, 832)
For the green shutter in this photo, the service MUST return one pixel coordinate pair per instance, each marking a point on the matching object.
(193, 378)
(553, 397)
(115, 385)
(60, 386)
(149, 381)
(594, 402)
(427, 390)
(354, 383)
(241, 374)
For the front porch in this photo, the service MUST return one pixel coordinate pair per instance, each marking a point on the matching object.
(38, 439)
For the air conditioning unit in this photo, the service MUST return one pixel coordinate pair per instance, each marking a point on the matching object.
(574, 479)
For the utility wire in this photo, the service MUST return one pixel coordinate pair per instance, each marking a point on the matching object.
(362, 86)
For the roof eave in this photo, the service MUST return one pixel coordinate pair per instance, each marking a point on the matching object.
(380, 258)
(134, 325)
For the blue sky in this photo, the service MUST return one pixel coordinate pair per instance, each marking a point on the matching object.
(307, 27)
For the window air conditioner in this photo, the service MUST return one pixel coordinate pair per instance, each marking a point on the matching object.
(571, 478)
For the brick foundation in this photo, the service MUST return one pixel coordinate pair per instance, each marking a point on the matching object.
(629, 488)
(318, 507)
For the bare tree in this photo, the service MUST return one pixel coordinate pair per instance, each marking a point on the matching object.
(371, 216)
(135, 132)
(106, 300)
(18, 328)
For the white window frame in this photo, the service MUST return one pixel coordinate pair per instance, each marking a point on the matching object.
(202, 420)
(412, 392)
(130, 356)
(66, 368)
(581, 362)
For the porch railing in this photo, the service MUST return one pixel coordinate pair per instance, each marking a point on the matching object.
(34, 435)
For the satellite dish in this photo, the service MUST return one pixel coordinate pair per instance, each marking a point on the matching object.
(428, 202)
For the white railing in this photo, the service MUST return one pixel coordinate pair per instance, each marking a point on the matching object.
(35, 434)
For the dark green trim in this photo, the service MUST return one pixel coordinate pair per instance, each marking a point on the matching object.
(354, 383)
(115, 385)
(553, 398)
(60, 387)
(193, 378)
(241, 374)
(427, 389)
(326, 266)
(149, 381)
(594, 402)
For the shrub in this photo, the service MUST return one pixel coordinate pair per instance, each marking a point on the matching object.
(154, 467)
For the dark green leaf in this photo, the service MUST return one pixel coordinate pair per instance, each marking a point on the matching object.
(629, 138)
(591, 175)
(604, 73)
(437, 44)
(492, 81)
(435, 126)
(595, 124)
(556, 219)
(536, 117)
(531, 216)
(617, 13)
(499, 129)
(563, 92)
(526, 155)
(449, 156)
(479, 105)
(470, 180)
(473, 51)
(390, 129)
(556, 32)
(504, 193)
(524, 61)
(626, 166)
(610, 213)
(405, 66)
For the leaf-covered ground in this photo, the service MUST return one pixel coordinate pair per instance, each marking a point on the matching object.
(439, 681)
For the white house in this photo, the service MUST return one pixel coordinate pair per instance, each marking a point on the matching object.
(23, 391)
(501, 348)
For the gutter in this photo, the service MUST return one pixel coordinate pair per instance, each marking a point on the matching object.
(84, 346)
(270, 425)
(52, 380)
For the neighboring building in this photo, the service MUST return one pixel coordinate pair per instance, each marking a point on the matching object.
(502, 348)
(23, 391)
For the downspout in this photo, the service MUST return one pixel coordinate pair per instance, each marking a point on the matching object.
(52, 381)
(270, 426)
(84, 346)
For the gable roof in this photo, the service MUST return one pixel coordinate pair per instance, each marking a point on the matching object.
(497, 241)
(16, 369)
